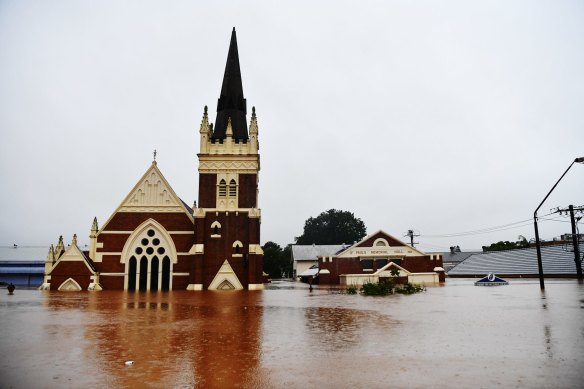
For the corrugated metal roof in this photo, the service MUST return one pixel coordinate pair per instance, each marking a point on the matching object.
(555, 259)
(449, 257)
(22, 269)
(23, 253)
(312, 252)
(309, 272)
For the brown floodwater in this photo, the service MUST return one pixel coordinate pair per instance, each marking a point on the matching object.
(456, 335)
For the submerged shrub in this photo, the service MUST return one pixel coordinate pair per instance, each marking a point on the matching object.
(352, 289)
(377, 289)
(410, 289)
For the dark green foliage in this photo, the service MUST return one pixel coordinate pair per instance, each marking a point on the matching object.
(332, 227)
(506, 245)
(352, 289)
(409, 289)
(277, 261)
(377, 289)
(388, 287)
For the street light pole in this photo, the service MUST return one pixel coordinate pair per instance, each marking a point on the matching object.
(537, 242)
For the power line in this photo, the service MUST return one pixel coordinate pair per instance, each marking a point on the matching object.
(503, 227)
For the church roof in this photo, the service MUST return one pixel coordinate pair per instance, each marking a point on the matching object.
(231, 104)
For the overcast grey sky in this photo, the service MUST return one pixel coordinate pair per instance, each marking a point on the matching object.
(445, 117)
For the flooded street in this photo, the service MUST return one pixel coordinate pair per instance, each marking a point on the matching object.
(456, 335)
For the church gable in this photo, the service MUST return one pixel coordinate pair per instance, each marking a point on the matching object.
(152, 193)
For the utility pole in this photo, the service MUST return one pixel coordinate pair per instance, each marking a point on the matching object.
(575, 242)
(575, 236)
(412, 234)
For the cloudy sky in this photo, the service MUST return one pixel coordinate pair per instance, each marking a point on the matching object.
(450, 118)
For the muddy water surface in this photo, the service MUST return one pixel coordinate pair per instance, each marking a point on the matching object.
(456, 335)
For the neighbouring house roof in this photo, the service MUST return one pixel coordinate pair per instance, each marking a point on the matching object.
(23, 253)
(556, 260)
(311, 272)
(456, 257)
(312, 252)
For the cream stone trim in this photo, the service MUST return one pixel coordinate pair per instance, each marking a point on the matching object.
(112, 274)
(225, 274)
(383, 242)
(95, 287)
(73, 254)
(228, 164)
(99, 255)
(129, 232)
(255, 287)
(200, 213)
(183, 274)
(141, 230)
(324, 271)
(197, 249)
(424, 278)
(255, 249)
(195, 287)
(230, 147)
(385, 272)
(69, 285)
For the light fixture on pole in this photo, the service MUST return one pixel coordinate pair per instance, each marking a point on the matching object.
(537, 243)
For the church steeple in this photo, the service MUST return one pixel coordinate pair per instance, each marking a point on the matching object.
(231, 104)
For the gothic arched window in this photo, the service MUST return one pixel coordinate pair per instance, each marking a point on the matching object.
(232, 188)
(222, 188)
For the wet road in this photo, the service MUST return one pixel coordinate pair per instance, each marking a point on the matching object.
(456, 335)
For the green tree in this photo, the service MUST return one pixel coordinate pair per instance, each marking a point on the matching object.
(332, 227)
(277, 261)
(506, 245)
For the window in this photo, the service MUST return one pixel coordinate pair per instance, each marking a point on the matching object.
(222, 188)
(380, 242)
(215, 230)
(380, 263)
(367, 264)
(232, 188)
(237, 249)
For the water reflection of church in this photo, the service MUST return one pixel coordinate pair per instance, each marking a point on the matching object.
(155, 241)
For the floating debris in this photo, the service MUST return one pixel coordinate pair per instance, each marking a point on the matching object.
(129, 363)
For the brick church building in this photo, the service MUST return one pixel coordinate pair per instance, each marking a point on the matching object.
(154, 241)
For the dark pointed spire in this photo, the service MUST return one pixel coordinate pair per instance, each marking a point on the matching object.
(231, 102)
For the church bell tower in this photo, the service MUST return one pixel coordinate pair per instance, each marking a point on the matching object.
(227, 251)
